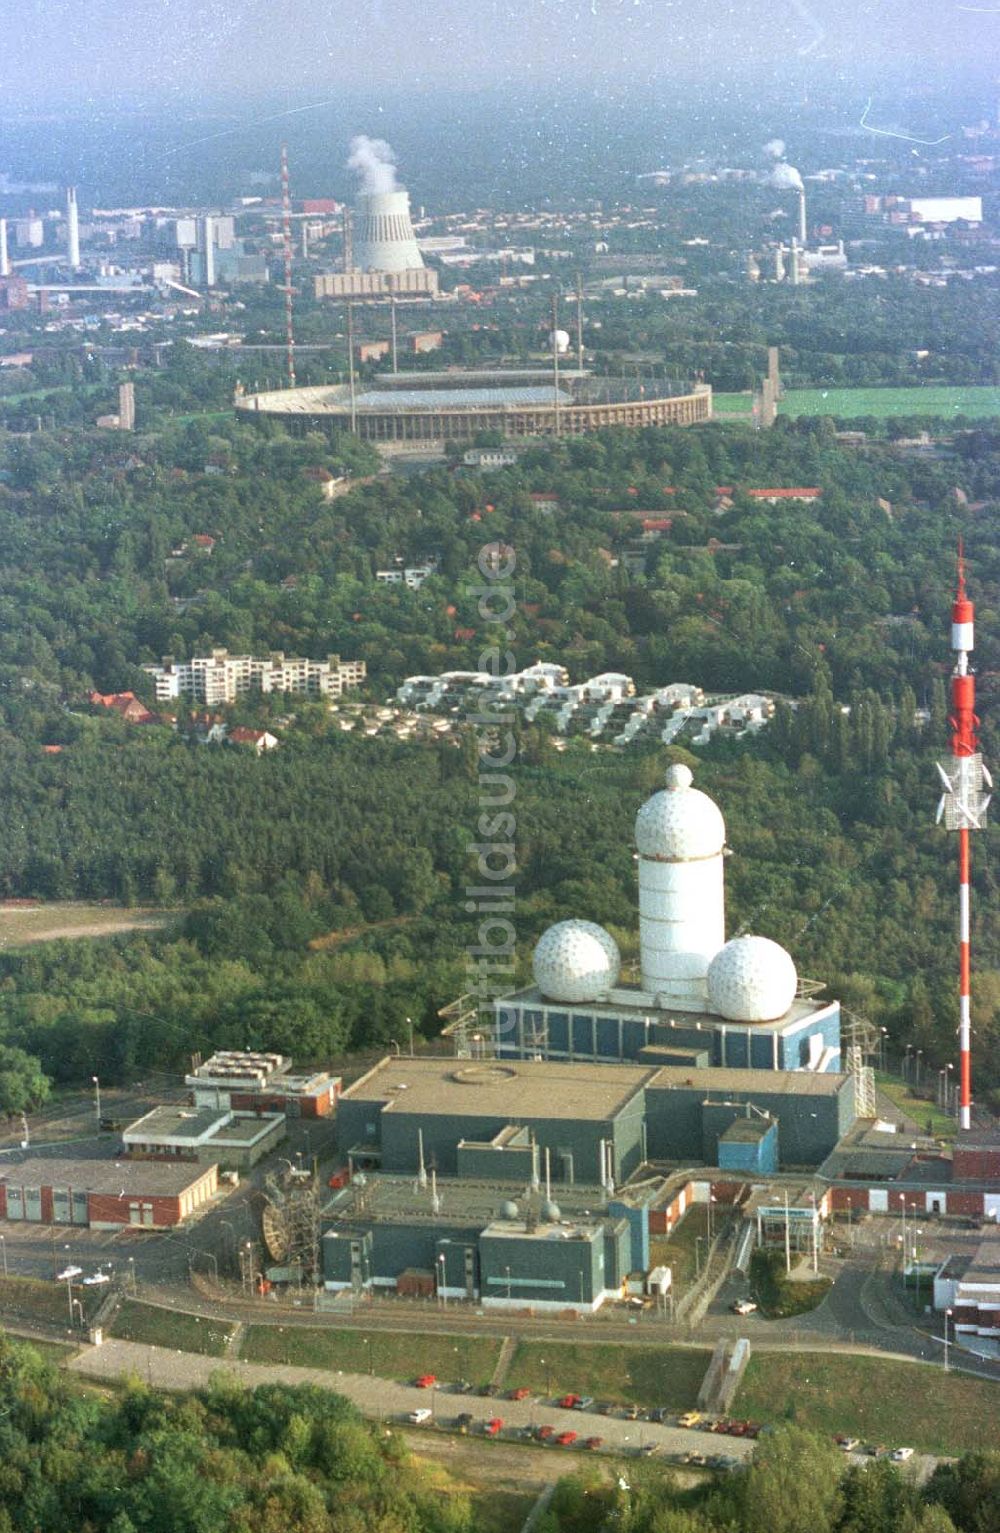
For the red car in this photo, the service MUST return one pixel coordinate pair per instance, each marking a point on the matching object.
(426, 1381)
(567, 1402)
(566, 1439)
(494, 1427)
(519, 1394)
(544, 1433)
(593, 1443)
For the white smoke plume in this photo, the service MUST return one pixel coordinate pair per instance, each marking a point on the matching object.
(375, 163)
(775, 147)
(786, 178)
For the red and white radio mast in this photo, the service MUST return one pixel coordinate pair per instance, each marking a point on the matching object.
(963, 807)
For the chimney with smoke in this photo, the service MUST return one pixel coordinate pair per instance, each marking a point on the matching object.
(384, 239)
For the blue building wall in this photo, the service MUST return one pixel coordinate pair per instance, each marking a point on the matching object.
(638, 1228)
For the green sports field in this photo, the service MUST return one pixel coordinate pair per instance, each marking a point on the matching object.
(850, 403)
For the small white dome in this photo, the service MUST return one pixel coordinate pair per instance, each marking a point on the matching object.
(751, 979)
(679, 824)
(576, 961)
(559, 339)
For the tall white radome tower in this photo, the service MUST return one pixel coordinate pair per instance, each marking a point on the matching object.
(384, 239)
(680, 836)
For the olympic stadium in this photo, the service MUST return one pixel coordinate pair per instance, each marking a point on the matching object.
(424, 407)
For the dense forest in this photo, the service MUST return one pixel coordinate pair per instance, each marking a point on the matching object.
(320, 891)
(281, 1459)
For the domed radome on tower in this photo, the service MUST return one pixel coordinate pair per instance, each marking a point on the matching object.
(576, 961)
(752, 979)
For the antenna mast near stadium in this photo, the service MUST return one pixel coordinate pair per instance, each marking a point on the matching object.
(963, 807)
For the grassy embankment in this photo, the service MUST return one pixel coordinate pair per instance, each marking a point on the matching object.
(158, 1327)
(658, 1375)
(390, 1354)
(898, 1404)
(929, 1118)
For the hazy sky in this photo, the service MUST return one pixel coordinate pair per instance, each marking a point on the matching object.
(93, 50)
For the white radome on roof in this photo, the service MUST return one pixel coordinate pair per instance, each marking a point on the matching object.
(751, 979)
(576, 961)
(679, 824)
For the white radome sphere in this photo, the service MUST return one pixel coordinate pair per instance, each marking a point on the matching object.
(576, 961)
(751, 979)
(559, 339)
(680, 824)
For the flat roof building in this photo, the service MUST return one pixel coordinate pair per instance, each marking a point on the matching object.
(234, 1141)
(104, 1194)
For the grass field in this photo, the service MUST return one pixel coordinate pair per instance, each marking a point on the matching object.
(390, 1354)
(668, 1376)
(927, 1117)
(45, 923)
(898, 1404)
(882, 403)
(168, 1328)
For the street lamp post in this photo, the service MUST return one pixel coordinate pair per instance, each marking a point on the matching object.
(441, 1280)
(74, 1306)
(697, 1255)
(507, 1275)
(97, 1098)
(906, 1061)
(947, 1317)
(131, 1275)
(69, 1296)
(3, 1251)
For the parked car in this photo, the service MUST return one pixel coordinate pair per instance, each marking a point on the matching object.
(68, 1274)
(544, 1433)
(568, 1402)
(689, 1419)
(631, 1413)
(593, 1443)
(464, 1421)
(566, 1439)
(426, 1381)
(845, 1443)
(518, 1394)
(494, 1426)
(876, 1450)
(97, 1279)
(900, 1455)
(461, 1387)
(743, 1307)
(584, 1403)
(419, 1416)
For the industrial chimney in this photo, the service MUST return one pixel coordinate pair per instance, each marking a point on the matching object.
(383, 234)
(208, 235)
(802, 220)
(72, 230)
(4, 257)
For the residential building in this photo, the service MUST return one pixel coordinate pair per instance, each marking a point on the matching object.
(258, 740)
(125, 704)
(222, 678)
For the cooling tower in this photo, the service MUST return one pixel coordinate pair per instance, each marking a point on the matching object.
(383, 234)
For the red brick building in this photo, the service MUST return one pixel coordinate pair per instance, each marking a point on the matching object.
(104, 1194)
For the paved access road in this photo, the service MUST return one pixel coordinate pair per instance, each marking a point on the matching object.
(385, 1400)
